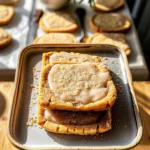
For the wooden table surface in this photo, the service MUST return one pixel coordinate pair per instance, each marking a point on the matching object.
(142, 90)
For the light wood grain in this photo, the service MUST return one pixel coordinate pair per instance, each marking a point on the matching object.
(142, 90)
(6, 93)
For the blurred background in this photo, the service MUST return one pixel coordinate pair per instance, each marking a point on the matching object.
(23, 26)
(140, 10)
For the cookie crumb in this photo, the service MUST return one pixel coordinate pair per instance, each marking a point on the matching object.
(38, 70)
(27, 124)
(33, 69)
(105, 58)
(32, 86)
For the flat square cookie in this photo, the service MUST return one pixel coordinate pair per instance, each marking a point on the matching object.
(57, 22)
(64, 122)
(76, 87)
(52, 57)
(109, 22)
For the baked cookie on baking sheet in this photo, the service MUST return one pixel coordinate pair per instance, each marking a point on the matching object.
(116, 39)
(76, 87)
(108, 5)
(57, 22)
(109, 22)
(52, 57)
(6, 14)
(68, 122)
(8, 2)
(53, 38)
(5, 38)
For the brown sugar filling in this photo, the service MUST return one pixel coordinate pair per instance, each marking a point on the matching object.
(72, 118)
(109, 20)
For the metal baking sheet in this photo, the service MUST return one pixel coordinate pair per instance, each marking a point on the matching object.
(136, 59)
(126, 124)
(18, 28)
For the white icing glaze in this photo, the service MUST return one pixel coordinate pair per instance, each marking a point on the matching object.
(78, 82)
(73, 57)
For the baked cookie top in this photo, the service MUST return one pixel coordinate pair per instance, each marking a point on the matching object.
(109, 22)
(109, 4)
(6, 14)
(76, 87)
(72, 57)
(52, 57)
(8, 2)
(116, 39)
(5, 37)
(52, 38)
(57, 22)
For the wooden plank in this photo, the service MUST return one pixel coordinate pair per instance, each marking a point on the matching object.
(142, 90)
(6, 93)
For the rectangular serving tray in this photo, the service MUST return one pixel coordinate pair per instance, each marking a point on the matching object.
(126, 129)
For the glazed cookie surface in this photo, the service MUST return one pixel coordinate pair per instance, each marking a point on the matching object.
(76, 87)
(53, 38)
(6, 14)
(57, 22)
(5, 38)
(116, 39)
(110, 22)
